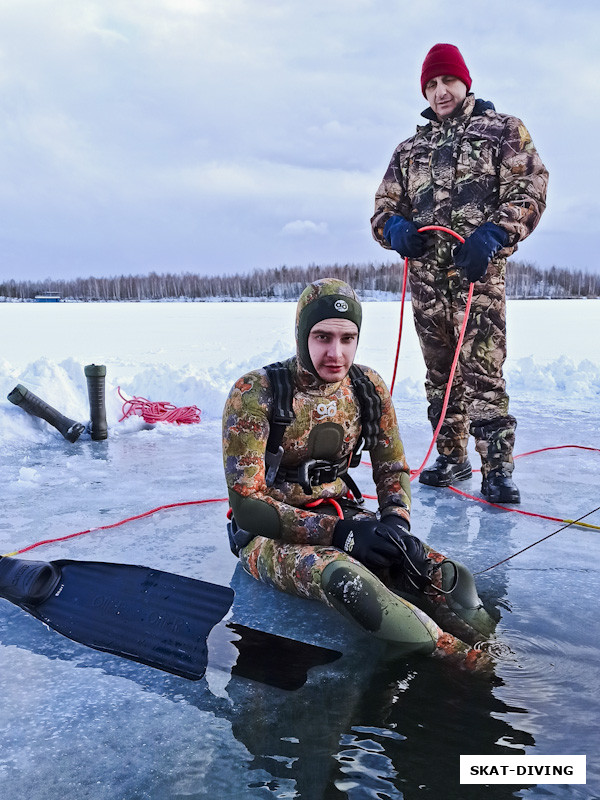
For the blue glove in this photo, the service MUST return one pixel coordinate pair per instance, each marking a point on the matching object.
(478, 250)
(403, 236)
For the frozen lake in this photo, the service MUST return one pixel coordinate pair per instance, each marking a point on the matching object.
(80, 723)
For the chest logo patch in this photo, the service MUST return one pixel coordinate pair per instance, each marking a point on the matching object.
(326, 410)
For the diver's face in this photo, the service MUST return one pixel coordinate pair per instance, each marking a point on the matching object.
(332, 346)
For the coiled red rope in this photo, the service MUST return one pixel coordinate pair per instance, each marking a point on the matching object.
(161, 411)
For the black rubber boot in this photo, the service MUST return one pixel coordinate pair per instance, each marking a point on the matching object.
(500, 488)
(32, 404)
(446, 471)
(96, 377)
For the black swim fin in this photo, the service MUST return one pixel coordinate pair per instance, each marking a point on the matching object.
(153, 617)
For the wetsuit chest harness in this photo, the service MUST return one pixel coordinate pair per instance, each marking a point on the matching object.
(315, 471)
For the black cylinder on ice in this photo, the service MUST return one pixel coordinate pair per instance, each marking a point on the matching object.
(32, 404)
(96, 378)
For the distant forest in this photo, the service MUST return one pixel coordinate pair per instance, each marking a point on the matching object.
(285, 283)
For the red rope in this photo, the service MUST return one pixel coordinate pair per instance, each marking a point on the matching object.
(547, 449)
(415, 472)
(330, 500)
(167, 412)
(558, 447)
(122, 522)
(506, 508)
(326, 500)
(404, 283)
(161, 411)
(569, 522)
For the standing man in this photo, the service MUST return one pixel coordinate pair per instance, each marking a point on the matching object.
(291, 430)
(477, 172)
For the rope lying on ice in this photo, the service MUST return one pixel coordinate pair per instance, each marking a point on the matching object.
(567, 522)
(510, 508)
(116, 524)
(531, 513)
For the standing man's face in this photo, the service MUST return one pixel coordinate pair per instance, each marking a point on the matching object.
(332, 346)
(444, 94)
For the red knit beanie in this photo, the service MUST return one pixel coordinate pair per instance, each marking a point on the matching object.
(444, 59)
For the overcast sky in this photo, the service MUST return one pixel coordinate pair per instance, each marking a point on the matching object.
(227, 135)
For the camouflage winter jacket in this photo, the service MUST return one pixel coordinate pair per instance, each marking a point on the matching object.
(478, 166)
(277, 511)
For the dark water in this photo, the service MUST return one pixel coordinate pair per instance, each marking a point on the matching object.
(80, 723)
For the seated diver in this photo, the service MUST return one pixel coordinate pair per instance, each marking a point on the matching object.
(291, 430)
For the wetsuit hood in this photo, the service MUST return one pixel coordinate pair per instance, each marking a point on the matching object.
(326, 298)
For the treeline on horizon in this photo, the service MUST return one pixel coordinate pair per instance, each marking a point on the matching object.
(523, 280)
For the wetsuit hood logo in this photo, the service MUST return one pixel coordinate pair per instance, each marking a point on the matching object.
(325, 298)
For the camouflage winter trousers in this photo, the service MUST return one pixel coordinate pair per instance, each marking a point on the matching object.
(478, 402)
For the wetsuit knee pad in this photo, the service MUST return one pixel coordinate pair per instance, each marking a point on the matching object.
(462, 597)
(360, 596)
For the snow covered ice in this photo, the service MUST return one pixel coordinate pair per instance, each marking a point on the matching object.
(93, 726)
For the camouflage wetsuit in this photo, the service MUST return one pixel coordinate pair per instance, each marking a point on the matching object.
(292, 545)
(473, 167)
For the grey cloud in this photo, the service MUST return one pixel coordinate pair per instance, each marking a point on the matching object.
(187, 134)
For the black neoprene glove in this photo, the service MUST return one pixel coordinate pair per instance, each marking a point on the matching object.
(403, 237)
(478, 250)
(369, 541)
(409, 544)
(411, 559)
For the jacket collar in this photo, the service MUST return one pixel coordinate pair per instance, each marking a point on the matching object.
(470, 107)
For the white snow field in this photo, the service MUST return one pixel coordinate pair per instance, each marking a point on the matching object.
(79, 723)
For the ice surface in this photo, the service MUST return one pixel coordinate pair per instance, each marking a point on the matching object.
(92, 726)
